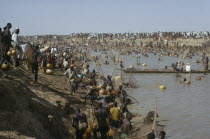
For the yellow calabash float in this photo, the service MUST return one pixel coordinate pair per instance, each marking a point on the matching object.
(187, 82)
(117, 78)
(162, 87)
(131, 67)
(144, 64)
(198, 78)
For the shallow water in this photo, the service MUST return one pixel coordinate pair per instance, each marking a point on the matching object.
(185, 109)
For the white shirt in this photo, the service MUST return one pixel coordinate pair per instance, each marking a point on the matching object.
(188, 68)
(64, 54)
(65, 63)
(86, 71)
(16, 39)
(69, 74)
(52, 50)
(24, 47)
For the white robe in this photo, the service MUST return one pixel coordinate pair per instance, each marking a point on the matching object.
(188, 68)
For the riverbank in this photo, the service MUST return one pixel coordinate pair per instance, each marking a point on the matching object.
(42, 110)
(37, 111)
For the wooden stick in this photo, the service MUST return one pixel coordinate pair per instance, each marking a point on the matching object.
(133, 98)
(155, 118)
(101, 69)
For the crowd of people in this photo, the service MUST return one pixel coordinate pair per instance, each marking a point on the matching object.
(111, 112)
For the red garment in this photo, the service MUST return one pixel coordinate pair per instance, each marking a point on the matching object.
(49, 59)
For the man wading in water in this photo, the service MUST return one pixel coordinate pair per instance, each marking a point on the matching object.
(126, 126)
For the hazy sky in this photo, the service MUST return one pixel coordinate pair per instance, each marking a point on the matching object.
(68, 16)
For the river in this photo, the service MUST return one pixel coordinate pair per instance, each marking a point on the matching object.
(184, 109)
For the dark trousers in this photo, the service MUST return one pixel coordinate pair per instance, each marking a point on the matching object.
(115, 123)
(103, 128)
(80, 133)
(34, 71)
(72, 87)
(206, 67)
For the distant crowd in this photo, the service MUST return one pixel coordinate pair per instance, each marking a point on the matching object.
(172, 35)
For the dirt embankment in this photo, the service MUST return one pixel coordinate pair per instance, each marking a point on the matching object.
(26, 109)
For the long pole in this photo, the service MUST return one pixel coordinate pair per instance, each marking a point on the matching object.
(101, 68)
(155, 118)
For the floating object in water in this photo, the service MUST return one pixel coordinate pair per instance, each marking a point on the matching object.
(179, 62)
(131, 67)
(117, 78)
(198, 78)
(144, 64)
(187, 82)
(162, 87)
(49, 71)
(197, 61)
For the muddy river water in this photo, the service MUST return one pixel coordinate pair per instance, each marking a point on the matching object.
(184, 109)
